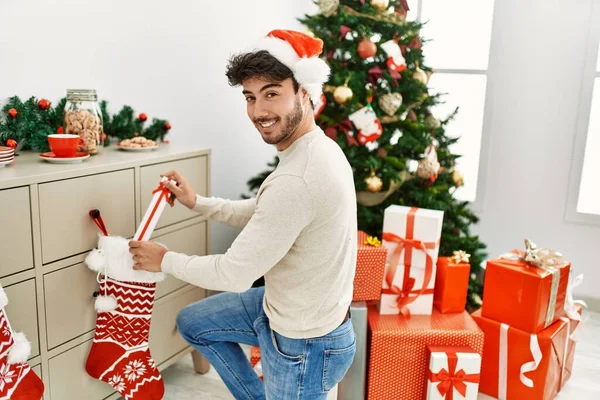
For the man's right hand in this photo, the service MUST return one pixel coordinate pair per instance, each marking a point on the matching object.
(182, 191)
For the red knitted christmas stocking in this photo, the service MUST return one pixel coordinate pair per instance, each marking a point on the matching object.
(120, 355)
(17, 379)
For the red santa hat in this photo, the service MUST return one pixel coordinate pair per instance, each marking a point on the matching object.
(300, 53)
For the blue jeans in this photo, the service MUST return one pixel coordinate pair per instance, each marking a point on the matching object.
(292, 368)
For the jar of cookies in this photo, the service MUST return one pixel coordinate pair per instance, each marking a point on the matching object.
(83, 118)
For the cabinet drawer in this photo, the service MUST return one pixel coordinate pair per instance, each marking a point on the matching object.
(193, 169)
(69, 300)
(66, 226)
(165, 340)
(190, 241)
(69, 379)
(15, 231)
(38, 370)
(22, 312)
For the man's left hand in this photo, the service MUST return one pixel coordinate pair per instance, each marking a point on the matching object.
(147, 256)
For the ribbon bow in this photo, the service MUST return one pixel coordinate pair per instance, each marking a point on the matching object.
(406, 294)
(372, 241)
(452, 379)
(459, 257)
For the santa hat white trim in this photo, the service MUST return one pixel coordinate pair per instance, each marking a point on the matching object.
(310, 72)
(112, 257)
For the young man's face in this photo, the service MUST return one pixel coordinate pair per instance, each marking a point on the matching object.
(274, 108)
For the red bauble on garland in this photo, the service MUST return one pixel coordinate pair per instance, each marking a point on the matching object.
(44, 104)
(13, 113)
(167, 126)
(11, 143)
(142, 117)
(366, 48)
(60, 130)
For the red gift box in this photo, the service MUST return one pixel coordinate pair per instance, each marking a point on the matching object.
(398, 361)
(522, 365)
(370, 264)
(523, 295)
(569, 357)
(451, 285)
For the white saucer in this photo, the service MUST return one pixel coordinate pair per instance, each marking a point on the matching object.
(3, 163)
(51, 158)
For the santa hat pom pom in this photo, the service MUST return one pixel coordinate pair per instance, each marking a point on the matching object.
(95, 260)
(105, 303)
(3, 298)
(312, 70)
(21, 350)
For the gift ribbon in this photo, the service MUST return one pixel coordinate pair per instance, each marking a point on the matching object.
(452, 379)
(406, 294)
(536, 353)
(555, 273)
(159, 200)
(564, 360)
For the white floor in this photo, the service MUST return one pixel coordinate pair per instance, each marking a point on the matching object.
(182, 383)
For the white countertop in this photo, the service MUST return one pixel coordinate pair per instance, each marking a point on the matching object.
(28, 167)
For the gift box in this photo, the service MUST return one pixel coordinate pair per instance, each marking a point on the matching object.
(398, 362)
(370, 264)
(411, 236)
(524, 293)
(522, 365)
(453, 373)
(452, 283)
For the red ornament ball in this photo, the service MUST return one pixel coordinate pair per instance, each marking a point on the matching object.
(167, 126)
(142, 117)
(12, 112)
(60, 130)
(366, 48)
(43, 104)
(104, 136)
(11, 143)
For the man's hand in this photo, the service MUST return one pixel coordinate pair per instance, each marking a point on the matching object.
(147, 256)
(183, 192)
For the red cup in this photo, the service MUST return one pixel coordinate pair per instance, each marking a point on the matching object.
(64, 146)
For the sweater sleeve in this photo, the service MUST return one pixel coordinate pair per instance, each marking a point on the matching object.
(236, 213)
(283, 210)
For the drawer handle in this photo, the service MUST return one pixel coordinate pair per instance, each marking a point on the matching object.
(95, 214)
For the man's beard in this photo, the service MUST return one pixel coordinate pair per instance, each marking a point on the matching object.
(290, 123)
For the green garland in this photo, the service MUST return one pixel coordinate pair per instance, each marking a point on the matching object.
(28, 123)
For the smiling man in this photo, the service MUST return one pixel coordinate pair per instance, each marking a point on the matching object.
(299, 233)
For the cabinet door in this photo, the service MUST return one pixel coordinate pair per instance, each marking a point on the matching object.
(69, 379)
(165, 340)
(193, 169)
(70, 311)
(66, 226)
(16, 248)
(190, 241)
(22, 312)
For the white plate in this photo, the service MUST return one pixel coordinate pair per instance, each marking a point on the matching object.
(138, 148)
(3, 163)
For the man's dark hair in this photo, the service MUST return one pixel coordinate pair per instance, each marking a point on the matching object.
(259, 64)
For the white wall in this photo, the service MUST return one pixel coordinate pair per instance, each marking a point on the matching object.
(169, 61)
(166, 59)
(537, 56)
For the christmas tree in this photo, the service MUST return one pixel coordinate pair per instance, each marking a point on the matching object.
(378, 108)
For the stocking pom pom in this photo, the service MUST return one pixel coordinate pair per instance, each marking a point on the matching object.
(21, 350)
(106, 303)
(95, 260)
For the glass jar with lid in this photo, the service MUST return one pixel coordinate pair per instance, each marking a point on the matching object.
(83, 118)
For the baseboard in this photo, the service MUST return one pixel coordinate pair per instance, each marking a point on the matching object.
(593, 303)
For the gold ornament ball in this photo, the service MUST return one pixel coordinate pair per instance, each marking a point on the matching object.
(380, 5)
(328, 7)
(457, 178)
(374, 183)
(420, 75)
(342, 94)
(432, 122)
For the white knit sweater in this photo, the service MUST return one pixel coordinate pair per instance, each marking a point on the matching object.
(299, 232)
